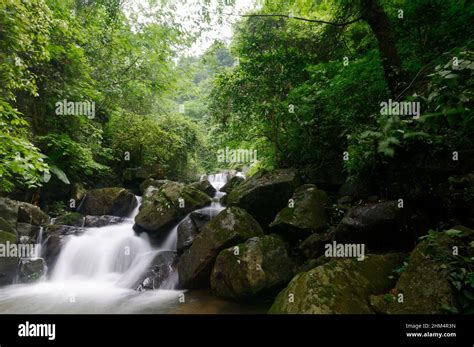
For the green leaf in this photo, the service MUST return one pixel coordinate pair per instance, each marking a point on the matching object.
(59, 174)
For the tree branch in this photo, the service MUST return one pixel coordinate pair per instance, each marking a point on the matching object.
(341, 24)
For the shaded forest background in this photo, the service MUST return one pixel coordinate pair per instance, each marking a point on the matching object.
(303, 93)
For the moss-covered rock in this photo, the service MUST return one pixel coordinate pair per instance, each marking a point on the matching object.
(265, 194)
(313, 246)
(204, 186)
(165, 205)
(307, 213)
(251, 269)
(110, 201)
(72, 218)
(21, 212)
(7, 236)
(151, 182)
(435, 280)
(187, 232)
(6, 226)
(232, 183)
(380, 226)
(341, 286)
(230, 227)
(31, 270)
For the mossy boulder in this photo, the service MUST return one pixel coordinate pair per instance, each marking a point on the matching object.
(205, 186)
(230, 227)
(306, 214)
(151, 182)
(341, 286)
(187, 232)
(432, 281)
(111, 201)
(6, 226)
(21, 212)
(31, 270)
(232, 183)
(248, 270)
(72, 218)
(7, 236)
(265, 194)
(313, 246)
(167, 204)
(381, 226)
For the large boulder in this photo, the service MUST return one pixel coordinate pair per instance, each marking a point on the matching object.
(187, 232)
(265, 194)
(307, 213)
(232, 226)
(111, 201)
(251, 269)
(205, 186)
(15, 212)
(31, 270)
(314, 245)
(380, 226)
(434, 280)
(151, 182)
(165, 205)
(159, 272)
(341, 286)
(232, 183)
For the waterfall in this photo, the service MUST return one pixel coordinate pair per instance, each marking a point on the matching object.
(109, 254)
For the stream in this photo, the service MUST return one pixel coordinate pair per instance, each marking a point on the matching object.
(93, 274)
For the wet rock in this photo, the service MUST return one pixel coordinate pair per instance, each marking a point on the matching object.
(205, 186)
(200, 218)
(108, 201)
(161, 207)
(432, 280)
(31, 270)
(380, 226)
(158, 275)
(72, 218)
(232, 183)
(151, 182)
(187, 232)
(307, 214)
(265, 194)
(248, 270)
(341, 286)
(313, 246)
(232, 226)
(101, 221)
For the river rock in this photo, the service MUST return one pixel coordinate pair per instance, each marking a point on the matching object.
(21, 212)
(31, 270)
(161, 206)
(151, 182)
(265, 194)
(251, 269)
(200, 218)
(428, 281)
(74, 219)
(313, 246)
(341, 286)
(380, 226)
(158, 275)
(6, 226)
(205, 186)
(187, 232)
(306, 215)
(232, 183)
(101, 221)
(108, 201)
(232, 226)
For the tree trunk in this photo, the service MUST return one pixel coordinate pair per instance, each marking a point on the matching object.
(378, 21)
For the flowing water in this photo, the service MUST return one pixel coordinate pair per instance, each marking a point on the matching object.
(97, 270)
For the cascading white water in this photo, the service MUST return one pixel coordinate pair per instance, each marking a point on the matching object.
(96, 271)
